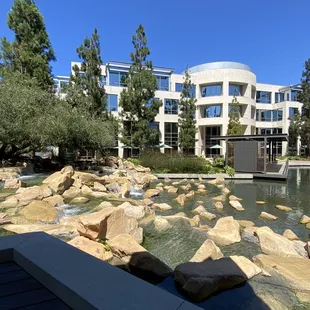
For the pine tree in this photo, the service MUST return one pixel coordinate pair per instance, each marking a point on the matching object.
(31, 51)
(137, 100)
(187, 121)
(234, 126)
(294, 130)
(304, 97)
(86, 80)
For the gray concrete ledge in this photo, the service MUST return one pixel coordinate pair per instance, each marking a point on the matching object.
(299, 163)
(237, 176)
(81, 280)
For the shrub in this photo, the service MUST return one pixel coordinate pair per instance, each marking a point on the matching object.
(219, 162)
(230, 171)
(135, 161)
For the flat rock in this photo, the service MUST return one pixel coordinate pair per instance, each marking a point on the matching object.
(161, 224)
(200, 280)
(162, 206)
(13, 184)
(245, 223)
(305, 219)
(290, 235)
(219, 205)
(199, 210)
(172, 190)
(208, 250)
(226, 231)
(79, 200)
(98, 195)
(236, 205)
(55, 200)
(71, 193)
(181, 199)
(221, 198)
(268, 216)
(39, 211)
(207, 216)
(26, 195)
(275, 244)
(136, 212)
(86, 191)
(59, 182)
(260, 202)
(234, 198)
(98, 187)
(283, 208)
(151, 193)
(225, 191)
(91, 247)
(190, 194)
(201, 186)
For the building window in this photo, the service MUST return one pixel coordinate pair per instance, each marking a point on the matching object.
(64, 85)
(277, 115)
(292, 112)
(235, 90)
(212, 111)
(171, 106)
(294, 94)
(209, 133)
(269, 115)
(253, 92)
(211, 90)
(179, 87)
(162, 82)
(112, 103)
(266, 116)
(263, 96)
(171, 134)
(117, 78)
(279, 97)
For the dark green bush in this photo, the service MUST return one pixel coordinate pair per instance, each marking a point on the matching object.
(219, 162)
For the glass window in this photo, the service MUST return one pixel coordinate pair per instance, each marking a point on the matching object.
(266, 115)
(212, 111)
(112, 103)
(179, 87)
(263, 96)
(294, 94)
(211, 90)
(171, 106)
(171, 134)
(292, 111)
(64, 85)
(277, 115)
(235, 90)
(118, 78)
(212, 132)
(162, 82)
(279, 97)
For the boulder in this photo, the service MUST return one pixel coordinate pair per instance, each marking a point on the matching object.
(275, 244)
(196, 220)
(221, 198)
(161, 224)
(79, 200)
(137, 260)
(13, 184)
(217, 181)
(172, 190)
(86, 178)
(190, 194)
(308, 248)
(98, 187)
(201, 191)
(60, 181)
(151, 193)
(208, 250)
(181, 219)
(125, 189)
(283, 208)
(204, 227)
(219, 205)
(116, 224)
(46, 191)
(98, 195)
(91, 247)
(234, 198)
(162, 206)
(199, 210)
(55, 200)
(236, 205)
(226, 231)
(148, 202)
(293, 269)
(71, 193)
(113, 187)
(245, 223)
(248, 234)
(26, 195)
(86, 191)
(260, 202)
(201, 186)
(200, 280)
(268, 216)
(308, 226)
(225, 191)
(181, 199)
(290, 235)
(10, 202)
(136, 212)
(160, 188)
(207, 216)
(104, 204)
(305, 219)
(39, 211)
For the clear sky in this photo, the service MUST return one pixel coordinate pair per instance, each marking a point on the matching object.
(271, 36)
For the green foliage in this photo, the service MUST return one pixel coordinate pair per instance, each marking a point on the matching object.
(230, 171)
(137, 100)
(187, 121)
(163, 163)
(219, 162)
(31, 52)
(294, 129)
(135, 161)
(32, 118)
(86, 79)
(234, 126)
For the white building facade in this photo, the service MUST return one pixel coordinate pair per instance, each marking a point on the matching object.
(264, 108)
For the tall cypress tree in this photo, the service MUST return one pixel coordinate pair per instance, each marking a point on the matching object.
(304, 97)
(234, 126)
(137, 100)
(187, 121)
(86, 80)
(31, 51)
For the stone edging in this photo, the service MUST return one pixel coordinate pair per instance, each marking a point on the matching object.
(237, 176)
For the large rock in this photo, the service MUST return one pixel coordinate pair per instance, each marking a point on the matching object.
(172, 190)
(236, 205)
(219, 205)
(225, 191)
(208, 250)
(181, 199)
(125, 189)
(10, 202)
(268, 216)
(283, 208)
(294, 270)
(39, 211)
(161, 224)
(98, 187)
(60, 181)
(245, 223)
(275, 244)
(190, 194)
(13, 184)
(248, 234)
(162, 206)
(221, 198)
(88, 225)
(226, 231)
(71, 193)
(234, 198)
(86, 178)
(79, 200)
(305, 219)
(26, 195)
(118, 223)
(151, 193)
(55, 200)
(199, 210)
(217, 181)
(91, 247)
(86, 191)
(290, 235)
(137, 260)
(207, 216)
(200, 280)
(136, 212)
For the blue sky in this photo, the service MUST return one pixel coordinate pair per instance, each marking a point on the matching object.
(271, 36)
